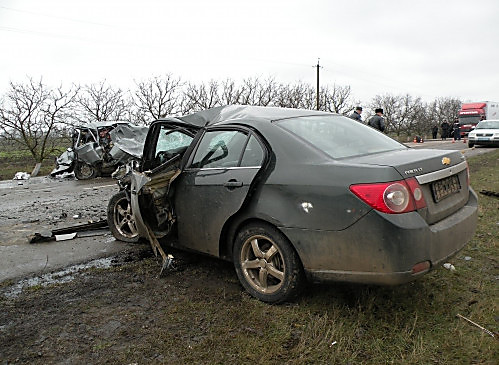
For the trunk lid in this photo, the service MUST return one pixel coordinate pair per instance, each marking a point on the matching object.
(442, 175)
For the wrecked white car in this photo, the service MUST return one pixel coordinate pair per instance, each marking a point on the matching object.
(99, 148)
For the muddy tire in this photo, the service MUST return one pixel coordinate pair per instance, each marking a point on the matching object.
(85, 171)
(120, 218)
(267, 265)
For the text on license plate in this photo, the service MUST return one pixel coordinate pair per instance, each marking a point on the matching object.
(445, 187)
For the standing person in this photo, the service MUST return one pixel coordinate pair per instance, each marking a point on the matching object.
(377, 121)
(434, 131)
(457, 132)
(356, 114)
(445, 130)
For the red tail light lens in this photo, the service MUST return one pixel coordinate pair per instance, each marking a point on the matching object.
(417, 192)
(392, 197)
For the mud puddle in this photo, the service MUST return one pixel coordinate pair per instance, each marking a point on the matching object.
(70, 273)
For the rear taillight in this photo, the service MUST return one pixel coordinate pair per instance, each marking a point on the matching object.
(392, 197)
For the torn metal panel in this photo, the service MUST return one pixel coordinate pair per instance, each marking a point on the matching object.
(90, 153)
(64, 163)
(64, 233)
(129, 139)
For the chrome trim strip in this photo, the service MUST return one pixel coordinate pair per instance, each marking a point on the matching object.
(222, 168)
(440, 174)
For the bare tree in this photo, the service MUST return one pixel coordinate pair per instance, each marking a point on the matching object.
(337, 99)
(201, 97)
(298, 96)
(101, 102)
(230, 93)
(157, 98)
(446, 109)
(399, 111)
(253, 91)
(31, 114)
(266, 92)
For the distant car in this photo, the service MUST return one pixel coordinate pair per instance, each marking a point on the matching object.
(289, 195)
(99, 148)
(486, 133)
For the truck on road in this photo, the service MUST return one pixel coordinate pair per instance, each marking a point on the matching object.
(471, 113)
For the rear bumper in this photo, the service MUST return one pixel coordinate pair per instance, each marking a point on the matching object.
(383, 248)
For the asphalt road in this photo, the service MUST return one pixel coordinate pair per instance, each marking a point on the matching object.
(448, 144)
(42, 204)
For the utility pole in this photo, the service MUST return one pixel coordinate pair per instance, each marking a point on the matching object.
(318, 88)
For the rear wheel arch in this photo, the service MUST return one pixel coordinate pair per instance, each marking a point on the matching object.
(237, 223)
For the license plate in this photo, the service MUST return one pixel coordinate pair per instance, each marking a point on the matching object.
(483, 139)
(445, 187)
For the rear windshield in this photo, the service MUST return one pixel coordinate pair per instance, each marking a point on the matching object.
(339, 136)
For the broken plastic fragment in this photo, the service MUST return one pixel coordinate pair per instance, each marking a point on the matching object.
(21, 176)
(449, 266)
(64, 237)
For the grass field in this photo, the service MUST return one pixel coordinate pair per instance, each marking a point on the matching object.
(345, 324)
(13, 160)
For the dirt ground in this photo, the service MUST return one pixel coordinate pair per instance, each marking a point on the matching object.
(126, 314)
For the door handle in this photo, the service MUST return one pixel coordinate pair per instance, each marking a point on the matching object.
(233, 184)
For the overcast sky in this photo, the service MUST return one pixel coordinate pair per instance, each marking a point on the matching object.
(431, 49)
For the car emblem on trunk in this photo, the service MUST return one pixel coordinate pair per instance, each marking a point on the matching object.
(446, 161)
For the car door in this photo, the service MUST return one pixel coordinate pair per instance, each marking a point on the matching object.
(214, 185)
(164, 148)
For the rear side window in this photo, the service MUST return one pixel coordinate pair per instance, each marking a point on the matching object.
(339, 136)
(253, 154)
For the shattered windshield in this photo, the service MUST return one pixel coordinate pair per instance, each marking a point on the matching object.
(339, 136)
(171, 140)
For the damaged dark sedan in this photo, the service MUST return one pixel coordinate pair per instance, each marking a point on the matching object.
(291, 196)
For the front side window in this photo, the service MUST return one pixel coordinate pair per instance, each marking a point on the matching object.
(169, 143)
(220, 148)
(338, 136)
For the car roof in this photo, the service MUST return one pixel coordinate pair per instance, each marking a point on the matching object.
(239, 112)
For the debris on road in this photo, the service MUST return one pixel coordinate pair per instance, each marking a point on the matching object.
(490, 193)
(490, 333)
(21, 176)
(449, 266)
(62, 234)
